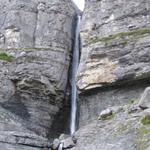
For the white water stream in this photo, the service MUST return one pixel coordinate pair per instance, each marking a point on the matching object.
(60, 146)
(75, 62)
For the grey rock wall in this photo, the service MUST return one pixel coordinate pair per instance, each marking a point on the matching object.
(94, 101)
(35, 48)
(115, 54)
(115, 40)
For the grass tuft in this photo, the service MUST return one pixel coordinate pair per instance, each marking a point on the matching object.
(136, 32)
(5, 57)
(146, 120)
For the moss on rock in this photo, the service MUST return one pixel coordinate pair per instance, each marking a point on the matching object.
(143, 138)
(103, 118)
(146, 121)
(5, 57)
(134, 33)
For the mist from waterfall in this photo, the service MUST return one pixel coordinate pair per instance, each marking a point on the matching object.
(75, 62)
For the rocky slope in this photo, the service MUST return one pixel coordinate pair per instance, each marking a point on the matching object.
(122, 130)
(35, 48)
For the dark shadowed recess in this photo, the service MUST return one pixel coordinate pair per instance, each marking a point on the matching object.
(61, 122)
(125, 84)
(15, 106)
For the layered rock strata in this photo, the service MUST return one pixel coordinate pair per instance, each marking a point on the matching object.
(115, 57)
(35, 48)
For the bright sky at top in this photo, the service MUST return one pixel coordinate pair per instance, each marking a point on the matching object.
(79, 3)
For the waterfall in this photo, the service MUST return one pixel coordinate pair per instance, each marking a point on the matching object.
(61, 146)
(75, 62)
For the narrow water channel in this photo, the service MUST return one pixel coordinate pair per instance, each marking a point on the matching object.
(75, 62)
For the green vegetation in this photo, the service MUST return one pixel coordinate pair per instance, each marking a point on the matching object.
(123, 127)
(135, 33)
(133, 101)
(5, 57)
(143, 138)
(55, 49)
(144, 130)
(146, 120)
(143, 76)
(4, 117)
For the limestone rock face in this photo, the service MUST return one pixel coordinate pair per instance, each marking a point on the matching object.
(114, 67)
(115, 38)
(114, 70)
(35, 47)
(33, 23)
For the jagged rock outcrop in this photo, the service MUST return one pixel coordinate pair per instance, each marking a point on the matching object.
(115, 54)
(35, 48)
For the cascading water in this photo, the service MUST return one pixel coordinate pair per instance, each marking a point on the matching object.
(75, 62)
(60, 146)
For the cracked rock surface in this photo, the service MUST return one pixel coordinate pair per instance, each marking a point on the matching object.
(35, 47)
(115, 43)
(115, 57)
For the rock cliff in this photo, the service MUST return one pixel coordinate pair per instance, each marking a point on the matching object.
(35, 48)
(113, 73)
(115, 55)
(113, 77)
(36, 39)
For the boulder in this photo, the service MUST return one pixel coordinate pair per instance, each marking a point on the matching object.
(105, 113)
(145, 99)
(56, 144)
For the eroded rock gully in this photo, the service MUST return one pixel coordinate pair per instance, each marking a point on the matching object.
(114, 70)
